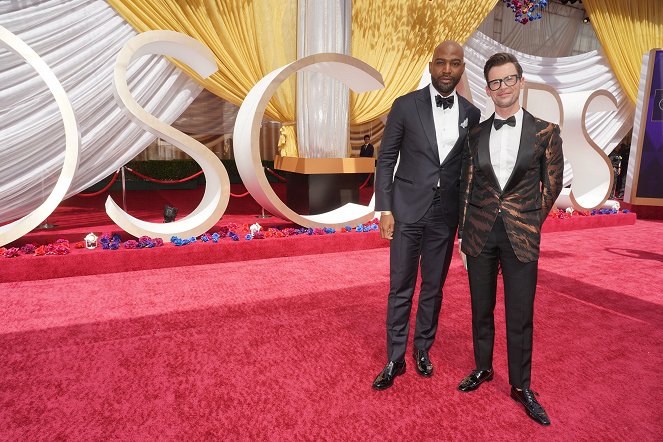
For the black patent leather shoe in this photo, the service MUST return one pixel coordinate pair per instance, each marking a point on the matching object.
(386, 377)
(422, 362)
(532, 406)
(472, 381)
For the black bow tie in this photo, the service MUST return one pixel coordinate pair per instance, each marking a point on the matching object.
(511, 121)
(445, 102)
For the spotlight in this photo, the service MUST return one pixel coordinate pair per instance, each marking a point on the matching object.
(169, 213)
(585, 20)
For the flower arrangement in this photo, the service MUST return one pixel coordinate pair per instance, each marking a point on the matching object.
(255, 231)
(526, 10)
(566, 214)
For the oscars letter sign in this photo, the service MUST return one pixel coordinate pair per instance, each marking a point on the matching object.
(20, 227)
(217, 190)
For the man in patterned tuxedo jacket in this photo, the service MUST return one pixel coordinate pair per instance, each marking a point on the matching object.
(511, 176)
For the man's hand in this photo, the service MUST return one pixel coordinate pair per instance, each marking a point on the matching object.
(387, 226)
(462, 255)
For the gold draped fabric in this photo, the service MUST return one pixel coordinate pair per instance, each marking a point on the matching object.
(627, 30)
(397, 37)
(252, 38)
(248, 38)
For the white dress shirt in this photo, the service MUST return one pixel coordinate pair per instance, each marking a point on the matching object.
(504, 145)
(446, 124)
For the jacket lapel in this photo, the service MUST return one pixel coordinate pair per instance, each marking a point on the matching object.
(525, 150)
(425, 109)
(483, 152)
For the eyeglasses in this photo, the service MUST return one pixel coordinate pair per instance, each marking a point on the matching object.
(509, 80)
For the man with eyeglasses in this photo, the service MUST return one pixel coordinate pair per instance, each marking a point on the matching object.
(419, 204)
(511, 176)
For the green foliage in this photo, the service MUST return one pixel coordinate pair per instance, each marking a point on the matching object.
(163, 170)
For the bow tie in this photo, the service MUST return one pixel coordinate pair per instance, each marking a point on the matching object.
(445, 102)
(511, 121)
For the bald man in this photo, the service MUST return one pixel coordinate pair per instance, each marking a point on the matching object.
(419, 204)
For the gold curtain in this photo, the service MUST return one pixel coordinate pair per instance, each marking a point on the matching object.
(626, 30)
(248, 38)
(252, 38)
(397, 37)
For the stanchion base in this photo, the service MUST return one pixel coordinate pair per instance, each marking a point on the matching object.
(46, 225)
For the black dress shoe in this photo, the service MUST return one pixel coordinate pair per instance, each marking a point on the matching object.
(386, 377)
(472, 381)
(532, 406)
(422, 362)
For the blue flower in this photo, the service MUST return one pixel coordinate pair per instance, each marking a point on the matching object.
(626, 211)
(204, 238)
(348, 229)
(248, 237)
(359, 228)
(173, 239)
(215, 237)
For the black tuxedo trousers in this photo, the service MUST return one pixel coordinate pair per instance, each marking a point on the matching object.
(519, 289)
(430, 240)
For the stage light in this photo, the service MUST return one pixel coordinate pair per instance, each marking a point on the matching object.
(169, 213)
(585, 20)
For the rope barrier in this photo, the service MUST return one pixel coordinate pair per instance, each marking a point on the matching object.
(154, 180)
(241, 195)
(368, 178)
(276, 175)
(108, 186)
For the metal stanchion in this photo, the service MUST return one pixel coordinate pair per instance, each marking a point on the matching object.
(263, 214)
(124, 191)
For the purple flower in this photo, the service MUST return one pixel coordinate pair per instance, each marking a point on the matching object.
(131, 244)
(28, 249)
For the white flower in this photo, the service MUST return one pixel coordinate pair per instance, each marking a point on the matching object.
(255, 228)
(464, 123)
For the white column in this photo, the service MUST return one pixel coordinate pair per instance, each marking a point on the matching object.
(322, 102)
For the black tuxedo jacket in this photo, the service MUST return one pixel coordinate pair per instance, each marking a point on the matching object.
(410, 132)
(366, 150)
(527, 197)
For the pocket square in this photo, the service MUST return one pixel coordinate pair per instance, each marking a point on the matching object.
(464, 123)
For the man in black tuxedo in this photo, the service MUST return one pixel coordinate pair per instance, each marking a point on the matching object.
(367, 149)
(419, 204)
(511, 176)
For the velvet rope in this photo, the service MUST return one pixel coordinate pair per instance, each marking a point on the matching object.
(276, 175)
(368, 178)
(108, 186)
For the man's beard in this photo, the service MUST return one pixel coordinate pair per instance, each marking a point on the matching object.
(444, 88)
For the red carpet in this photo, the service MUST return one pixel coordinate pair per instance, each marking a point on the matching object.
(286, 349)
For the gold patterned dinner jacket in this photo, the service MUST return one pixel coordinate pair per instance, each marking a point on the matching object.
(527, 197)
